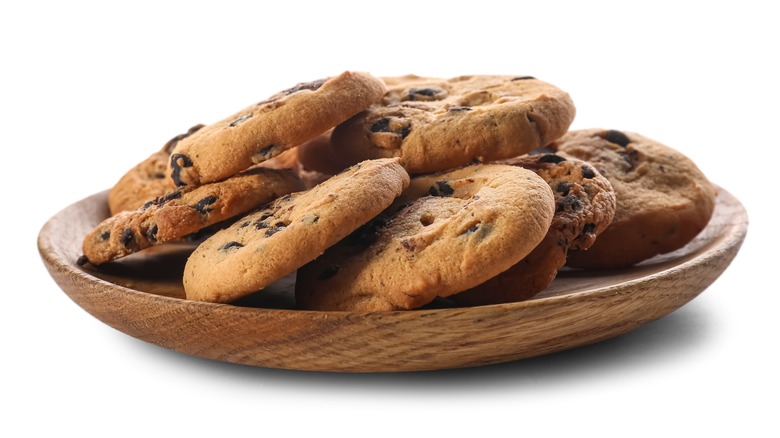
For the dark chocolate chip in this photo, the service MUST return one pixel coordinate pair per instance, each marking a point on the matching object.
(425, 94)
(551, 158)
(264, 152)
(458, 109)
(82, 260)
(203, 205)
(127, 238)
(151, 233)
(312, 86)
(329, 272)
(176, 168)
(159, 175)
(563, 187)
(442, 188)
(588, 228)
(244, 118)
(587, 171)
(571, 202)
(522, 78)
(105, 235)
(270, 231)
(616, 137)
(383, 125)
(231, 244)
(245, 224)
(162, 200)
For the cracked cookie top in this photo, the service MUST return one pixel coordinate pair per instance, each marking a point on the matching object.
(437, 124)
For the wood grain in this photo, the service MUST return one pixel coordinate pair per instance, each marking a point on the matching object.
(142, 296)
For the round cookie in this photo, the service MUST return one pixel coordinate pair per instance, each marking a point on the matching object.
(279, 238)
(446, 233)
(179, 213)
(584, 208)
(146, 180)
(268, 128)
(663, 199)
(437, 124)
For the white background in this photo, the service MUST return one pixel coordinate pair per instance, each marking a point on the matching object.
(89, 89)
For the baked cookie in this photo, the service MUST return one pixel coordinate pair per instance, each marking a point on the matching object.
(146, 180)
(663, 199)
(438, 124)
(182, 212)
(317, 155)
(446, 233)
(584, 207)
(268, 128)
(276, 240)
(290, 159)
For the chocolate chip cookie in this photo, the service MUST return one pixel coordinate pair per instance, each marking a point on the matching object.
(146, 180)
(446, 233)
(268, 128)
(437, 124)
(584, 208)
(276, 240)
(663, 199)
(181, 212)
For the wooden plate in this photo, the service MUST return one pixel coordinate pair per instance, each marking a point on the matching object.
(142, 296)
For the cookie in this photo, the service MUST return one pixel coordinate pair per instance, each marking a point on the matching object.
(147, 180)
(181, 212)
(276, 240)
(317, 155)
(446, 233)
(663, 199)
(268, 128)
(584, 208)
(437, 124)
(290, 159)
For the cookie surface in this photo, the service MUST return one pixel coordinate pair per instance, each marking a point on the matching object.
(584, 208)
(447, 232)
(147, 180)
(437, 124)
(276, 240)
(663, 199)
(268, 128)
(180, 212)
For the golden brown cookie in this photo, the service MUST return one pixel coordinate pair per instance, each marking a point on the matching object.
(584, 208)
(437, 124)
(181, 212)
(446, 233)
(663, 199)
(268, 128)
(276, 240)
(146, 180)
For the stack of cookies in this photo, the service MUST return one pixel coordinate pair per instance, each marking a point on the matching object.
(386, 194)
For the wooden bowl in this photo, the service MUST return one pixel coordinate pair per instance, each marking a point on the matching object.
(142, 296)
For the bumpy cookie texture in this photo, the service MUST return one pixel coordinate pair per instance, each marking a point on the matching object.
(438, 124)
(270, 127)
(147, 180)
(276, 240)
(584, 208)
(446, 233)
(663, 199)
(181, 212)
